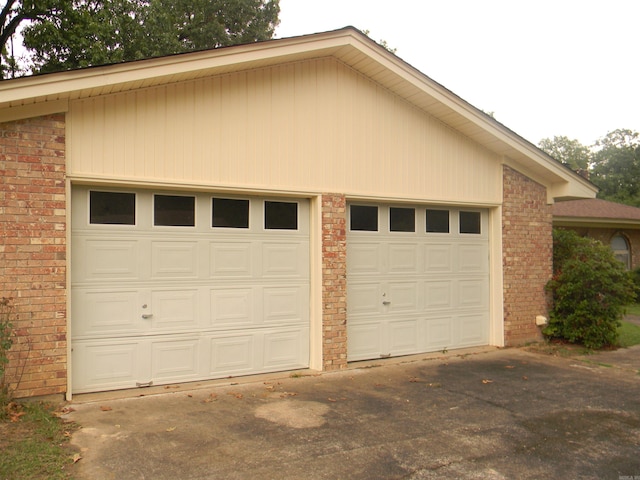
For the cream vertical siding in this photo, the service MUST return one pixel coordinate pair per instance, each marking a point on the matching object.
(312, 126)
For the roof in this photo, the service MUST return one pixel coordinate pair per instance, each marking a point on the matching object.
(51, 93)
(595, 211)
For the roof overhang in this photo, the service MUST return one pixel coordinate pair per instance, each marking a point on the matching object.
(596, 222)
(44, 94)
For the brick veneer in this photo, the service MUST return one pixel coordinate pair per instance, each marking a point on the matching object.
(527, 247)
(33, 250)
(334, 282)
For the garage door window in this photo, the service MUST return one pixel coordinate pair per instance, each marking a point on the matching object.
(112, 208)
(437, 221)
(174, 211)
(402, 219)
(280, 215)
(470, 222)
(229, 213)
(364, 218)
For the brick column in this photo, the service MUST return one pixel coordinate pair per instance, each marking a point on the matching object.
(527, 249)
(334, 282)
(33, 252)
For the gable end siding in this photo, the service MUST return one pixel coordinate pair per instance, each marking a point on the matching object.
(527, 256)
(33, 252)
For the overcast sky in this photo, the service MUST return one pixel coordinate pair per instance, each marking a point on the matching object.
(544, 67)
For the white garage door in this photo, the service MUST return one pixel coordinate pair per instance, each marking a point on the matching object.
(174, 287)
(417, 280)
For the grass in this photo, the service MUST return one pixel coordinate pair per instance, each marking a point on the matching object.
(34, 443)
(628, 334)
(633, 309)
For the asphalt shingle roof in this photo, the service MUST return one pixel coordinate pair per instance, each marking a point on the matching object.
(595, 208)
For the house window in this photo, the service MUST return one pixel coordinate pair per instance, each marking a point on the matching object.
(470, 222)
(112, 208)
(280, 215)
(620, 248)
(174, 211)
(364, 218)
(437, 221)
(229, 213)
(402, 219)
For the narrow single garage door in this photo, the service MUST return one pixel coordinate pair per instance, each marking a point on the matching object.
(173, 287)
(417, 279)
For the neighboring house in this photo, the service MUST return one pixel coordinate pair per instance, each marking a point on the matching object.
(612, 223)
(296, 203)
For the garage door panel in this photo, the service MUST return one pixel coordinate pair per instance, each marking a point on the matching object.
(175, 360)
(438, 258)
(174, 259)
(232, 307)
(364, 258)
(403, 337)
(284, 349)
(473, 258)
(438, 332)
(231, 259)
(403, 258)
(438, 295)
(285, 305)
(102, 366)
(403, 296)
(106, 312)
(364, 340)
(284, 260)
(232, 354)
(472, 293)
(110, 260)
(472, 329)
(174, 309)
(364, 298)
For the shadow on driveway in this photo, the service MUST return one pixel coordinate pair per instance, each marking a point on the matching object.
(484, 414)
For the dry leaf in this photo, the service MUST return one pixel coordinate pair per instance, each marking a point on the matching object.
(287, 394)
(525, 378)
(212, 397)
(76, 457)
(105, 408)
(486, 380)
(414, 380)
(171, 429)
(509, 366)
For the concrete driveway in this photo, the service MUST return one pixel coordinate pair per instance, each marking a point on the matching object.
(479, 414)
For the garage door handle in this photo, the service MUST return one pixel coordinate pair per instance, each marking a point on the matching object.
(386, 302)
(147, 315)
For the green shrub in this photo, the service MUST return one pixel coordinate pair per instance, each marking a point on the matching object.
(589, 289)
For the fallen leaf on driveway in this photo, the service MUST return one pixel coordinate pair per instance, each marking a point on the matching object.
(105, 408)
(332, 399)
(76, 457)
(171, 429)
(486, 380)
(212, 397)
(525, 378)
(509, 366)
(414, 380)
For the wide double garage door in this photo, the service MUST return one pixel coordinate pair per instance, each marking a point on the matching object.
(173, 287)
(417, 279)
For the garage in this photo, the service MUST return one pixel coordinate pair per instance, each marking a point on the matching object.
(181, 286)
(417, 279)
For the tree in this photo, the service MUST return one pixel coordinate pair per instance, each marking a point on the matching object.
(570, 152)
(14, 13)
(616, 167)
(81, 33)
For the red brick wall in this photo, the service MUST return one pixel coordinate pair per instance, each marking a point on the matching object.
(33, 250)
(334, 282)
(527, 248)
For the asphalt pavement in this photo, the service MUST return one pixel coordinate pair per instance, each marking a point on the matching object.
(470, 414)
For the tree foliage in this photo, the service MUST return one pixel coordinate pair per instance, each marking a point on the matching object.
(589, 288)
(81, 33)
(612, 163)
